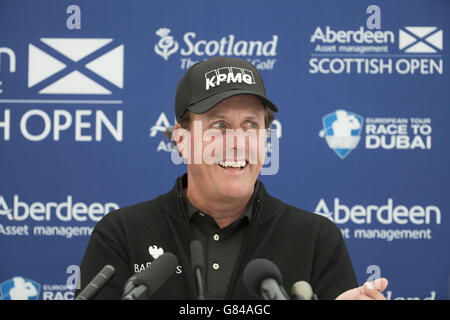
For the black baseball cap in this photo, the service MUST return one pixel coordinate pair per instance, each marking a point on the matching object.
(209, 82)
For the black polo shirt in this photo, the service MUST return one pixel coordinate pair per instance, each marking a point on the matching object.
(221, 246)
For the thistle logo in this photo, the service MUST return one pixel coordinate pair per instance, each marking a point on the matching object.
(420, 39)
(75, 65)
(19, 288)
(166, 46)
(342, 130)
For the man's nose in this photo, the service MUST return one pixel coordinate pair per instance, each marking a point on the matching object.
(235, 139)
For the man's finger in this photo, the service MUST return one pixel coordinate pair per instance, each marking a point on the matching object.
(372, 292)
(380, 284)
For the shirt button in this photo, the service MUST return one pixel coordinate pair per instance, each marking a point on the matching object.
(216, 237)
(216, 266)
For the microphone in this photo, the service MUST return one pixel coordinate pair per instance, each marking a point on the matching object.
(263, 278)
(198, 265)
(145, 284)
(302, 290)
(97, 283)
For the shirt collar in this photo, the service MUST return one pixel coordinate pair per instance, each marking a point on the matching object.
(191, 210)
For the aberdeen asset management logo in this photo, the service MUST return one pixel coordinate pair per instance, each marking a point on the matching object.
(420, 39)
(342, 131)
(75, 66)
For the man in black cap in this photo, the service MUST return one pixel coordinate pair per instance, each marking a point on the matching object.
(222, 116)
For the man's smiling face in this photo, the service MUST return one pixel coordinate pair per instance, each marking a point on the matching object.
(230, 147)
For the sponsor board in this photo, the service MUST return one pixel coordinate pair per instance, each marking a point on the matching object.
(79, 125)
(342, 132)
(20, 288)
(20, 218)
(191, 48)
(389, 221)
(407, 51)
(63, 72)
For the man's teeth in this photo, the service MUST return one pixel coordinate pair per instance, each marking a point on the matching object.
(234, 164)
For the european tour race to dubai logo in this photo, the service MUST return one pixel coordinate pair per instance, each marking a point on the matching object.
(342, 131)
(19, 288)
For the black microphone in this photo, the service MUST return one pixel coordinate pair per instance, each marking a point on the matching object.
(145, 284)
(97, 283)
(198, 265)
(263, 278)
(302, 290)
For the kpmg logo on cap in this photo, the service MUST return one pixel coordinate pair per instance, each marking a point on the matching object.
(71, 60)
(342, 130)
(420, 39)
(19, 288)
(216, 77)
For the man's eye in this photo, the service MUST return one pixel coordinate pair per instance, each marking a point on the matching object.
(218, 125)
(251, 125)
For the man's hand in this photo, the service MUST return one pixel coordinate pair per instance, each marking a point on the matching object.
(369, 291)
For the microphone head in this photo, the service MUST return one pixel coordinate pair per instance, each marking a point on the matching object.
(259, 270)
(197, 259)
(97, 283)
(108, 271)
(302, 289)
(157, 273)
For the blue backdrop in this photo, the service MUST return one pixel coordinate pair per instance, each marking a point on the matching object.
(87, 89)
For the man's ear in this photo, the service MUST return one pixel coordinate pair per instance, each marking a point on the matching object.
(180, 139)
(174, 129)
